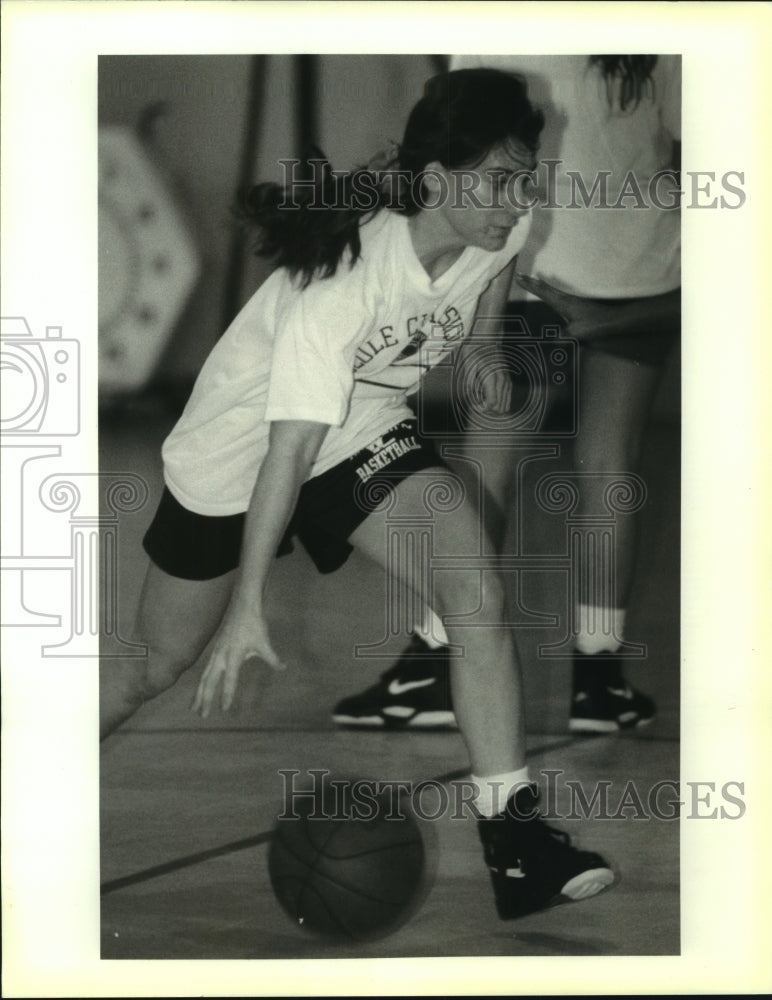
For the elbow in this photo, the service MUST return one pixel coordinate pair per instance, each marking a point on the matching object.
(296, 444)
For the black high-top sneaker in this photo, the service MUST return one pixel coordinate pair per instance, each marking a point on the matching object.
(603, 701)
(413, 694)
(533, 865)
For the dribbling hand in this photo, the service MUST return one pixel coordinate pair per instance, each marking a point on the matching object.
(237, 641)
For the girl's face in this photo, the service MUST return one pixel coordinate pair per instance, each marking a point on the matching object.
(481, 205)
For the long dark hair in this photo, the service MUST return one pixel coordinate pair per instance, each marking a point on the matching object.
(633, 74)
(462, 116)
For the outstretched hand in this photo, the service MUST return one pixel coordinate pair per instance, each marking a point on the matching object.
(239, 639)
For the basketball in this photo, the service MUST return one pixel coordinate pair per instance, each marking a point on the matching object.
(344, 870)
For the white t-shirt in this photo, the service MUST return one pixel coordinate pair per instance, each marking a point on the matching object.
(599, 252)
(347, 351)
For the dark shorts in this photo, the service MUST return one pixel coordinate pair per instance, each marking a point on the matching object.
(330, 507)
(641, 329)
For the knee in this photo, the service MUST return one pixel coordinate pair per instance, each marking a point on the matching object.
(470, 591)
(492, 593)
(121, 691)
(163, 671)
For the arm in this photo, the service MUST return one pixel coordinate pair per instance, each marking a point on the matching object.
(243, 634)
(494, 391)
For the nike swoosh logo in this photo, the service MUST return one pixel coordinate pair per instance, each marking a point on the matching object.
(400, 687)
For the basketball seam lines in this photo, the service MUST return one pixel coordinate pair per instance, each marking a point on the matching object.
(355, 890)
(312, 869)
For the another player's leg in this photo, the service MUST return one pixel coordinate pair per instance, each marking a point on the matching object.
(615, 400)
(414, 693)
(531, 865)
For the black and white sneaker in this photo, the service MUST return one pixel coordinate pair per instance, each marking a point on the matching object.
(413, 694)
(603, 701)
(533, 866)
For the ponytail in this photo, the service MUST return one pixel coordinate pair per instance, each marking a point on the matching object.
(633, 73)
(309, 227)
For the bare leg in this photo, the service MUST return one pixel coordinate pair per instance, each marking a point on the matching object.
(529, 865)
(486, 682)
(615, 403)
(176, 620)
(493, 468)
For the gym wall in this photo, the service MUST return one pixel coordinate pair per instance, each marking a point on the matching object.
(191, 114)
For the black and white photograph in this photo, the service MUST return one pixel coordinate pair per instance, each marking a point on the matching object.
(380, 475)
(479, 628)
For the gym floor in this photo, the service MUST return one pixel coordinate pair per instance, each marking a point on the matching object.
(187, 805)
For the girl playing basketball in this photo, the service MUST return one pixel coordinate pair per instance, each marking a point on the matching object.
(375, 283)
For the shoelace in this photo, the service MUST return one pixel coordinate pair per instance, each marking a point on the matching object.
(536, 832)
(547, 832)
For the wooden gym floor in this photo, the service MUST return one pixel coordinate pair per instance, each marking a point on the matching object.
(187, 805)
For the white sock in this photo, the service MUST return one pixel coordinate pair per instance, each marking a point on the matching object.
(431, 629)
(493, 791)
(601, 630)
